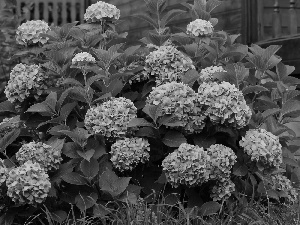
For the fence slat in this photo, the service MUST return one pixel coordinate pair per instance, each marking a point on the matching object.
(82, 10)
(36, 10)
(55, 12)
(46, 10)
(293, 18)
(73, 10)
(19, 10)
(260, 21)
(64, 11)
(276, 20)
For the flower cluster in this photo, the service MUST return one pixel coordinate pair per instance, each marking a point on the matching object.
(200, 27)
(29, 33)
(49, 158)
(3, 172)
(25, 80)
(111, 118)
(280, 182)
(28, 184)
(127, 153)
(222, 190)
(96, 12)
(83, 59)
(224, 103)
(262, 146)
(167, 64)
(180, 101)
(187, 165)
(8, 124)
(222, 160)
(206, 75)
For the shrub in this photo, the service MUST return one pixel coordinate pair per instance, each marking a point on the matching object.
(91, 125)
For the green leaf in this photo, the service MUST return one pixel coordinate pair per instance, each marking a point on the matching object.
(158, 39)
(41, 108)
(290, 107)
(51, 101)
(174, 139)
(170, 15)
(115, 87)
(72, 81)
(59, 216)
(147, 18)
(139, 122)
(153, 111)
(254, 89)
(8, 139)
(283, 71)
(170, 121)
(70, 149)
(147, 132)
(290, 161)
(212, 4)
(112, 184)
(57, 145)
(89, 168)
(66, 28)
(79, 135)
(87, 155)
(7, 106)
(66, 110)
(91, 80)
(270, 112)
(74, 178)
(290, 94)
(190, 77)
(240, 169)
(209, 208)
(204, 141)
(85, 201)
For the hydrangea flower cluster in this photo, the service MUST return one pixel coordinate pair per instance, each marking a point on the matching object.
(222, 160)
(127, 153)
(8, 124)
(222, 190)
(96, 12)
(49, 158)
(3, 172)
(167, 64)
(25, 80)
(262, 146)
(83, 59)
(224, 103)
(200, 27)
(179, 100)
(187, 165)
(28, 184)
(29, 33)
(280, 182)
(111, 118)
(206, 75)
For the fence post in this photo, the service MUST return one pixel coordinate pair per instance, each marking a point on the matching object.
(293, 18)
(36, 10)
(276, 20)
(46, 10)
(73, 10)
(55, 12)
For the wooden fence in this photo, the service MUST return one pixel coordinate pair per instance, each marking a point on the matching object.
(278, 18)
(55, 12)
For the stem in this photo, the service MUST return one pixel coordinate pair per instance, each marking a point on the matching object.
(6, 156)
(86, 87)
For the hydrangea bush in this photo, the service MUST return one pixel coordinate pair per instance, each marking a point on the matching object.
(91, 120)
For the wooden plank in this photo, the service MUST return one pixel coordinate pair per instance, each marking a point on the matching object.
(73, 10)
(292, 18)
(276, 20)
(46, 10)
(55, 12)
(19, 12)
(64, 11)
(36, 10)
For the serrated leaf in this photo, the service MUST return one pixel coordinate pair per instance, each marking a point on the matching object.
(59, 216)
(254, 89)
(66, 28)
(72, 81)
(283, 71)
(153, 111)
(85, 201)
(147, 132)
(7, 106)
(170, 15)
(209, 208)
(66, 110)
(290, 161)
(70, 149)
(212, 4)
(174, 139)
(79, 135)
(40, 108)
(290, 94)
(290, 107)
(74, 178)
(139, 122)
(240, 169)
(147, 18)
(89, 168)
(158, 39)
(204, 141)
(9, 138)
(270, 112)
(131, 50)
(111, 183)
(190, 77)
(92, 79)
(170, 121)
(87, 155)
